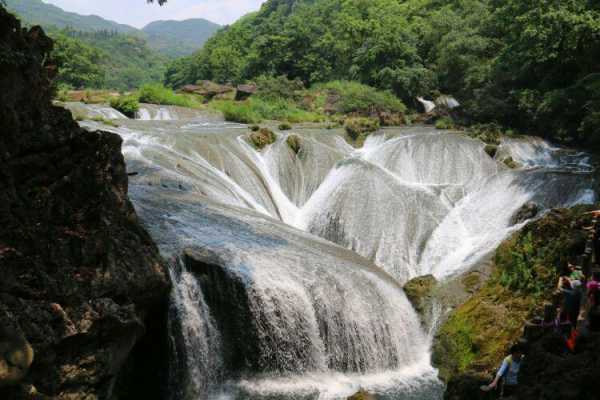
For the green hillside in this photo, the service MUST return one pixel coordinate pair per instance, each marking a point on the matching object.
(179, 38)
(527, 65)
(36, 12)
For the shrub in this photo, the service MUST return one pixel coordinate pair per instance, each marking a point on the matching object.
(254, 128)
(444, 123)
(352, 97)
(262, 138)
(127, 105)
(285, 126)
(158, 94)
(279, 88)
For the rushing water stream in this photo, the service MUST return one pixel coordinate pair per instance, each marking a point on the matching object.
(288, 268)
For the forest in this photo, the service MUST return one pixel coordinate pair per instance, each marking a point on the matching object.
(529, 66)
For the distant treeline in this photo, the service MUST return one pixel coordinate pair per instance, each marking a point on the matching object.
(529, 65)
(105, 59)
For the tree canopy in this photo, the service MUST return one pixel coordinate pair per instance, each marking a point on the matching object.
(529, 65)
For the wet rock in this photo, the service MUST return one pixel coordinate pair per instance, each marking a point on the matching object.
(81, 278)
(362, 395)
(528, 211)
(491, 150)
(16, 356)
(244, 91)
(419, 291)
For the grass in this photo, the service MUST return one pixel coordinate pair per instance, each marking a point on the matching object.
(105, 121)
(158, 94)
(255, 110)
(444, 123)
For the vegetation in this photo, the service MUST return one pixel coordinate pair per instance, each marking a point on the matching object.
(256, 109)
(128, 105)
(158, 94)
(530, 66)
(358, 128)
(294, 143)
(525, 274)
(262, 138)
(179, 38)
(284, 126)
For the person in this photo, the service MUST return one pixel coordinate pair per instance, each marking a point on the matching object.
(508, 373)
(572, 301)
(593, 289)
(575, 273)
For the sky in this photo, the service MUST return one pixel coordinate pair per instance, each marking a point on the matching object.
(137, 13)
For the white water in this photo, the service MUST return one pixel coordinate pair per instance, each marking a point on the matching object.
(326, 322)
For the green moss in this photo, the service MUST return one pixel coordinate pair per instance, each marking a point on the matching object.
(262, 138)
(105, 121)
(510, 163)
(294, 143)
(285, 127)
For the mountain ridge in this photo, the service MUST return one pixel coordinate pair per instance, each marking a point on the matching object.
(169, 37)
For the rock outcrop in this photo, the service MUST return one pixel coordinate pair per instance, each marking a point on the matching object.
(419, 292)
(476, 336)
(81, 279)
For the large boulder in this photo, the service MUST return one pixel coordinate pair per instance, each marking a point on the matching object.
(209, 89)
(81, 279)
(244, 91)
(419, 292)
(528, 211)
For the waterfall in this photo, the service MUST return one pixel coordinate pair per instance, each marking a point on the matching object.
(291, 265)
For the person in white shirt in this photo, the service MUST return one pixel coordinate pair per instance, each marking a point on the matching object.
(508, 373)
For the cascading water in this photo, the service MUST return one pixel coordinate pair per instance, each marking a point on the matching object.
(265, 304)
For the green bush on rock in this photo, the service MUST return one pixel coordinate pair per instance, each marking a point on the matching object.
(262, 138)
(128, 105)
(359, 127)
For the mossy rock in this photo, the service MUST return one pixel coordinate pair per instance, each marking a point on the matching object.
(419, 290)
(254, 128)
(491, 150)
(262, 138)
(362, 395)
(294, 143)
(285, 126)
(358, 128)
(510, 163)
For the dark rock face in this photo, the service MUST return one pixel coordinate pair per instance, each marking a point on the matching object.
(80, 276)
(528, 211)
(550, 374)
